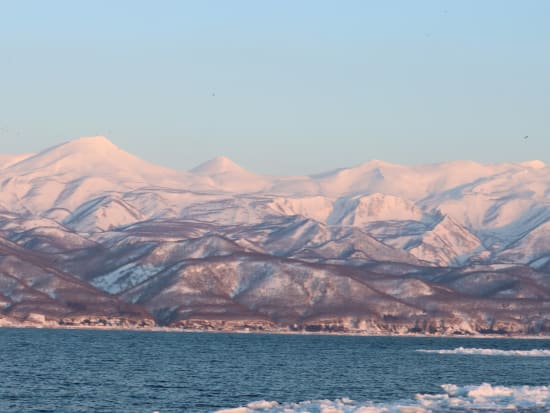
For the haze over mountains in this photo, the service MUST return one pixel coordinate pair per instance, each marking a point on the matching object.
(92, 234)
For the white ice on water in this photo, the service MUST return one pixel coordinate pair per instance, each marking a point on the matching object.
(491, 352)
(456, 399)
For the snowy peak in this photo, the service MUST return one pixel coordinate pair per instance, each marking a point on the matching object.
(92, 185)
(75, 172)
(226, 175)
(95, 157)
(90, 146)
(218, 165)
(376, 163)
(535, 164)
(76, 154)
(92, 143)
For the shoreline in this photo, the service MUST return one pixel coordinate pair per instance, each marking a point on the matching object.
(158, 329)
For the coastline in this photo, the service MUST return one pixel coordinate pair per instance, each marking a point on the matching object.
(160, 329)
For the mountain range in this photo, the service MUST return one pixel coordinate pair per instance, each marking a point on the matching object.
(92, 235)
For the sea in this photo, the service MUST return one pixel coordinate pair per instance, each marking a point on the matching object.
(45, 370)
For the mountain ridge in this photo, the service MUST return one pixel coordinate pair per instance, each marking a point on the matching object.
(430, 248)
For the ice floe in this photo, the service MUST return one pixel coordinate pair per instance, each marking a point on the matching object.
(456, 399)
(491, 352)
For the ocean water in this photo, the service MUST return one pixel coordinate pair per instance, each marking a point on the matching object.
(124, 371)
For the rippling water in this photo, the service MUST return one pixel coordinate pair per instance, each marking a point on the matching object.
(123, 371)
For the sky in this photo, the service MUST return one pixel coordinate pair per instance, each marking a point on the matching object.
(281, 87)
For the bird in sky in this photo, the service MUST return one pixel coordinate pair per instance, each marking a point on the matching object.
(526, 136)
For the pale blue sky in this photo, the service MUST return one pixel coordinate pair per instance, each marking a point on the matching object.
(300, 86)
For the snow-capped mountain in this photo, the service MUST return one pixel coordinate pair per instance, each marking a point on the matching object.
(458, 246)
(7, 160)
(225, 174)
